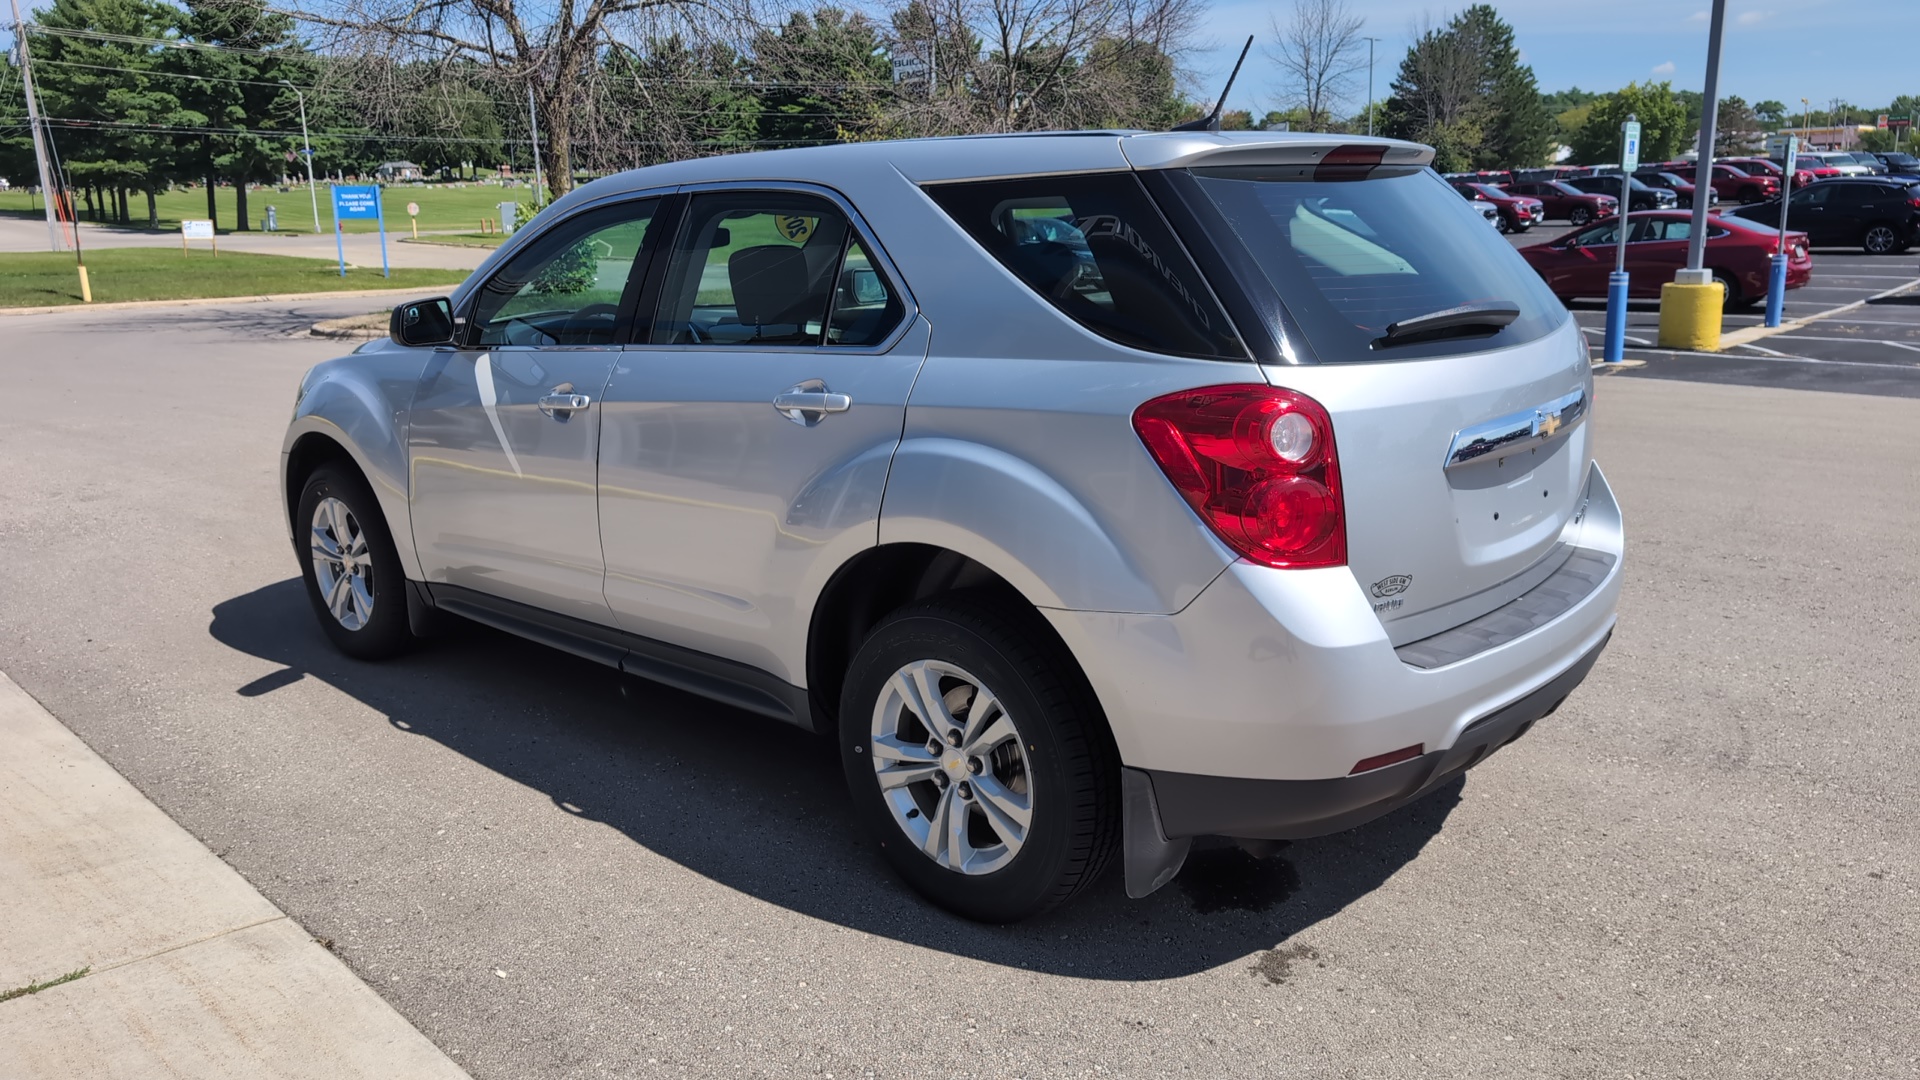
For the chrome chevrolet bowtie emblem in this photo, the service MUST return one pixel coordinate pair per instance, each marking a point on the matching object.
(1546, 423)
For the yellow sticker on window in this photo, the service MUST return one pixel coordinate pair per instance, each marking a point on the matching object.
(794, 227)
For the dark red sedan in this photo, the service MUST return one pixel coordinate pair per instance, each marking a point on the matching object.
(1733, 184)
(1762, 166)
(1577, 265)
(1518, 213)
(1563, 200)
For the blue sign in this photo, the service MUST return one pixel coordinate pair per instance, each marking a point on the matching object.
(351, 203)
(356, 202)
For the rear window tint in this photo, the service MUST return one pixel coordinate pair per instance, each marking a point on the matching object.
(1096, 248)
(1351, 257)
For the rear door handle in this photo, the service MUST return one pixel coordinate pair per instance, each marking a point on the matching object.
(557, 404)
(810, 402)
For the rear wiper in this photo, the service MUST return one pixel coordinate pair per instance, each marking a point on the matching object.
(1467, 317)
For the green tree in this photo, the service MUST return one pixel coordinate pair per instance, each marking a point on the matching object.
(680, 100)
(236, 89)
(826, 75)
(1737, 128)
(1518, 129)
(1663, 124)
(110, 103)
(1772, 114)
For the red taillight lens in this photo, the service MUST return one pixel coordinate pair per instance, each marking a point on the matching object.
(1381, 761)
(1258, 464)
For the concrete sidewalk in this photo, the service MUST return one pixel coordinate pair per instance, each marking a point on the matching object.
(189, 970)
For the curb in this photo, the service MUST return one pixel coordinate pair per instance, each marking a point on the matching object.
(201, 300)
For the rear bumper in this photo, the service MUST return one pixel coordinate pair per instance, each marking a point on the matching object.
(1290, 675)
(1192, 805)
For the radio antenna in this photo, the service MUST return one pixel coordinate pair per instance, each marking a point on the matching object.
(1211, 121)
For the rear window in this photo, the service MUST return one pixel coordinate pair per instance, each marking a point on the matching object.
(1351, 257)
(1096, 248)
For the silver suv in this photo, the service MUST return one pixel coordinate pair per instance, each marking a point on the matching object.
(1093, 491)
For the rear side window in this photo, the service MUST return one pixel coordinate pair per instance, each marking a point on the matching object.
(1351, 257)
(1096, 248)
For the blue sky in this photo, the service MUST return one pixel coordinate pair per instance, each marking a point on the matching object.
(1859, 50)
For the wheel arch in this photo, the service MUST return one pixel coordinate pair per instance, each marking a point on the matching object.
(883, 579)
(341, 421)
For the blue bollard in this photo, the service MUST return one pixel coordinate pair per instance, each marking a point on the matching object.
(1776, 289)
(1616, 315)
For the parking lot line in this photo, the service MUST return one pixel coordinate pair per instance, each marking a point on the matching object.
(1852, 341)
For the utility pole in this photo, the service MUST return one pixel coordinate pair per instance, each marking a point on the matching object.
(533, 122)
(48, 196)
(312, 194)
(1370, 43)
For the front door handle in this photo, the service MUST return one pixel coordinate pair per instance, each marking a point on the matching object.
(808, 403)
(561, 406)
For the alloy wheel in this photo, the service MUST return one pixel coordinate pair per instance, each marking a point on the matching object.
(1881, 239)
(952, 767)
(1579, 217)
(342, 563)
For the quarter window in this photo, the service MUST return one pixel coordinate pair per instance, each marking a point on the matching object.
(568, 286)
(772, 269)
(1095, 247)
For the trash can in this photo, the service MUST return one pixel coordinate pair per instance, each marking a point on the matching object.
(273, 219)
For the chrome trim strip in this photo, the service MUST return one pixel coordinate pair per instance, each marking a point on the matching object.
(1518, 431)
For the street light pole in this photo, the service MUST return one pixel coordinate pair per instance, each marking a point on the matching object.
(313, 195)
(1370, 43)
(1709, 132)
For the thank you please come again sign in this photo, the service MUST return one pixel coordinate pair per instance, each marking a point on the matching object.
(358, 204)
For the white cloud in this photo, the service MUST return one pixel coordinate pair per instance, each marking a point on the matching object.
(1753, 18)
(1664, 69)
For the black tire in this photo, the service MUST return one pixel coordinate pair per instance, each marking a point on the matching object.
(1070, 767)
(1880, 239)
(384, 632)
(1734, 298)
(1579, 216)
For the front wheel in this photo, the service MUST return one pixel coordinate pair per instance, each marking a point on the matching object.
(1881, 240)
(352, 571)
(1580, 216)
(979, 761)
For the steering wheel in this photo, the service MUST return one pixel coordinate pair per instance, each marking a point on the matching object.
(578, 324)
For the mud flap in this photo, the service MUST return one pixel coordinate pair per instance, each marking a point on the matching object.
(1151, 859)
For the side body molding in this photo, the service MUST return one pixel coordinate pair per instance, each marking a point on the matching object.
(363, 406)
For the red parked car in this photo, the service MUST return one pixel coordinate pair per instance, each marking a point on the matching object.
(1802, 176)
(1563, 200)
(1576, 265)
(1733, 184)
(1518, 213)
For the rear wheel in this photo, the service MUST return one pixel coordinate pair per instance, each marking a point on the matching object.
(1880, 239)
(351, 569)
(1580, 216)
(1733, 298)
(979, 760)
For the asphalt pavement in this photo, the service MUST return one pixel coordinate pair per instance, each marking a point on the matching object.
(1702, 866)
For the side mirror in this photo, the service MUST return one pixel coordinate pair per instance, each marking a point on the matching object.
(423, 322)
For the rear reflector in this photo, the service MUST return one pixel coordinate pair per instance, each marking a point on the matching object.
(1381, 761)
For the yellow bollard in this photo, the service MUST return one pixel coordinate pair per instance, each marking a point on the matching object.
(1690, 316)
(86, 289)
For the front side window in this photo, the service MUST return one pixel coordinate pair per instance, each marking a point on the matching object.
(772, 269)
(1350, 258)
(1095, 247)
(568, 286)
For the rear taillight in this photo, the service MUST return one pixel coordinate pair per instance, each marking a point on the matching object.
(1258, 464)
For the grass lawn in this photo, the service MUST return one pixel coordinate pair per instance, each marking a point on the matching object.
(442, 206)
(45, 278)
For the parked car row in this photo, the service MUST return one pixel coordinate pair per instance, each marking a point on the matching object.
(1880, 214)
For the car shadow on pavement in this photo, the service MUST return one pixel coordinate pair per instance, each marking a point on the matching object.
(761, 806)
